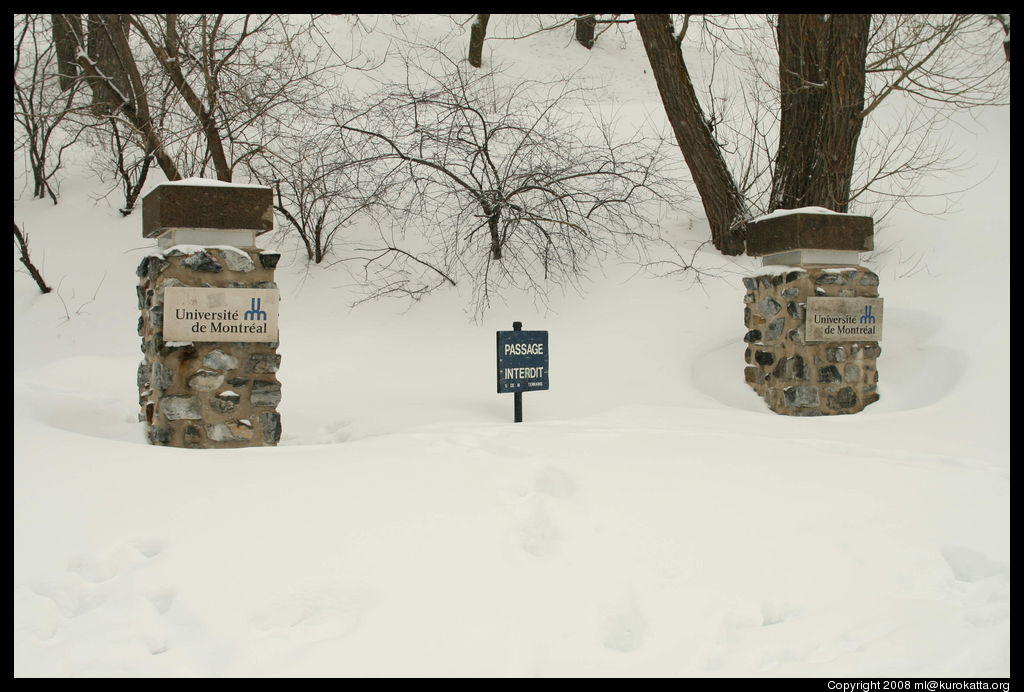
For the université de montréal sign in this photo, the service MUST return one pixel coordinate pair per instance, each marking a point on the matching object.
(843, 319)
(220, 314)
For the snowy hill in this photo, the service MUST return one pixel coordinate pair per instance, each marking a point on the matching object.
(650, 518)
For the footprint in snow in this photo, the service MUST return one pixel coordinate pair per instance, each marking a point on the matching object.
(537, 534)
(555, 482)
(970, 565)
(318, 611)
(625, 627)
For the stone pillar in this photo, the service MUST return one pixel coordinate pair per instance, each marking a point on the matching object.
(813, 315)
(209, 318)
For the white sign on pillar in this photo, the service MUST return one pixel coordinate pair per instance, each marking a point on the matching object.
(220, 314)
(843, 319)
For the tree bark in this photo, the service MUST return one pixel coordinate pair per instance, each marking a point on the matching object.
(68, 40)
(476, 39)
(585, 24)
(107, 33)
(821, 80)
(722, 200)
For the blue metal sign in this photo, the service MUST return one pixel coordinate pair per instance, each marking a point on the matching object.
(522, 361)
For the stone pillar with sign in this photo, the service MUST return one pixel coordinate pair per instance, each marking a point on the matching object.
(209, 317)
(813, 314)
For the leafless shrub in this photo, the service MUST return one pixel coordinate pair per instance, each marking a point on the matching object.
(45, 104)
(510, 185)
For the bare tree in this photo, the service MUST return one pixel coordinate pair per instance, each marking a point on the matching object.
(834, 72)
(202, 91)
(22, 241)
(117, 156)
(513, 186)
(724, 205)
(320, 187)
(232, 73)
(112, 72)
(44, 111)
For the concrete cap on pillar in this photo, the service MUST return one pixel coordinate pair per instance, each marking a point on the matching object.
(198, 203)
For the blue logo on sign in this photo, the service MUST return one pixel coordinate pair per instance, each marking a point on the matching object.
(254, 313)
(867, 316)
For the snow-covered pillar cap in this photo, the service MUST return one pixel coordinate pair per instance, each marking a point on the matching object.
(199, 203)
(809, 228)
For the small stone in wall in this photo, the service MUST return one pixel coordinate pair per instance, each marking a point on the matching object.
(237, 261)
(192, 435)
(206, 381)
(825, 279)
(835, 354)
(225, 402)
(774, 331)
(802, 397)
(202, 262)
(265, 394)
(768, 307)
(271, 426)
(158, 436)
(791, 368)
(151, 267)
(181, 408)
(844, 398)
(162, 376)
(264, 362)
(829, 375)
(218, 360)
(229, 432)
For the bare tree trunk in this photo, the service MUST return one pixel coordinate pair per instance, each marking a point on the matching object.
(117, 85)
(107, 34)
(585, 24)
(821, 79)
(23, 246)
(476, 39)
(493, 219)
(722, 200)
(67, 39)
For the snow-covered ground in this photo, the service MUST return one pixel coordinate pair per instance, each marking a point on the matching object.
(650, 518)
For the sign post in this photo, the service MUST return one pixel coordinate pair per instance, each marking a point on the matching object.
(522, 364)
